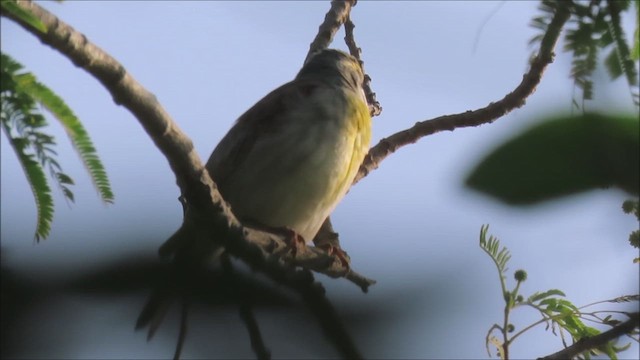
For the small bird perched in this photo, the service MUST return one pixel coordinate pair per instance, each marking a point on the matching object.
(289, 160)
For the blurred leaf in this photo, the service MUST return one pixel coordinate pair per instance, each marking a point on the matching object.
(623, 53)
(563, 156)
(635, 53)
(612, 64)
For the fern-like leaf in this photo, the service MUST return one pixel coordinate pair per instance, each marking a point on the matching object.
(595, 26)
(74, 129)
(37, 181)
(491, 246)
(635, 53)
(621, 53)
(23, 125)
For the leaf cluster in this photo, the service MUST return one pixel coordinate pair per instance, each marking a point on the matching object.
(23, 124)
(559, 314)
(633, 207)
(595, 27)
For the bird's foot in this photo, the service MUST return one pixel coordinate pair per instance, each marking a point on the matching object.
(335, 250)
(294, 241)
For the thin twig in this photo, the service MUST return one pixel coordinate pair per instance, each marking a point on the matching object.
(336, 16)
(246, 313)
(488, 114)
(593, 342)
(257, 344)
(374, 106)
(330, 322)
(184, 326)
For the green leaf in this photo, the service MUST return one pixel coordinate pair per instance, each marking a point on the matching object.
(68, 194)
(64, 178)
(26, 16)
(560, 157)
(38, 182)
(74, 129)
(539, 296)
(613, 65)
(23, 124)
(491, 246)
(635, 53)
(614, 28)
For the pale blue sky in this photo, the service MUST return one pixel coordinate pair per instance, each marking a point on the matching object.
(410, 224)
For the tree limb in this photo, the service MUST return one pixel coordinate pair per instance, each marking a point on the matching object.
(488, 114)
(593, 342)
(213, 221)
(192, 178)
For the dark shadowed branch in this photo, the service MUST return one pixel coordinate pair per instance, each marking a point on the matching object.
(246, 313)
(184, 326)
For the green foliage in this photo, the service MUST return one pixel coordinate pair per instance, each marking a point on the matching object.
(635, 53)
(11, 7)
(491, 246)
(633, 207)
(595, 27)
(23, 124)
(559, 315)
(35, 176)
(77, 134)
(563, 156)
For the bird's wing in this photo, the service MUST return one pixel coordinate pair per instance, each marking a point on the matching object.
(266, 118)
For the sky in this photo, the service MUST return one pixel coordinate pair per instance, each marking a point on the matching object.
(410, 224)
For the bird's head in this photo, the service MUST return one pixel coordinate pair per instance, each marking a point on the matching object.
(334, 66)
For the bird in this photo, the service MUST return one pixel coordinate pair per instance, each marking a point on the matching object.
(285, 164)
(290, 159)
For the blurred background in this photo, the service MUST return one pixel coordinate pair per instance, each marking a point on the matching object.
(411, 224)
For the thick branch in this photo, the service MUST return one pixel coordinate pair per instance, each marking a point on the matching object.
(126, 91)
(596, 341)
(207, 213)
(488, 114)
(192, 178)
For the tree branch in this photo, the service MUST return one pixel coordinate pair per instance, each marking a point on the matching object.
(203, 198)
(336, 16)
(207, 214)
(593, 342)
(488, 114)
